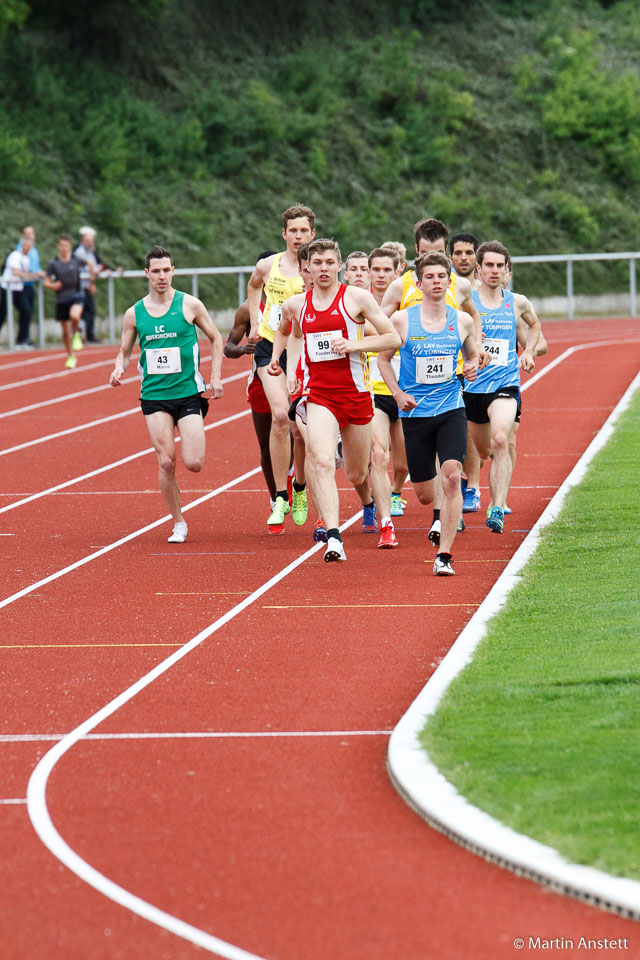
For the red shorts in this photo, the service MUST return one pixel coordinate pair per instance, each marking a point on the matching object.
(256, 396)
(347, 408)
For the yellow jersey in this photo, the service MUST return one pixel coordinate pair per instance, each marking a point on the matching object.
(277, 289)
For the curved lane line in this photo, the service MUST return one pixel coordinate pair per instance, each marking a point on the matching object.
(430, 794)
(36, 791)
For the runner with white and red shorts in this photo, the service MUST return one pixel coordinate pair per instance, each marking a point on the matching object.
(331, 328)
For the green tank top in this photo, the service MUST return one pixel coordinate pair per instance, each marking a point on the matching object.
(170, 356)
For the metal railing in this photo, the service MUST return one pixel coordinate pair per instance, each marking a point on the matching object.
(241, 273)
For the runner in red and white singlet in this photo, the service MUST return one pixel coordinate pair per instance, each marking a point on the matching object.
(331, 330)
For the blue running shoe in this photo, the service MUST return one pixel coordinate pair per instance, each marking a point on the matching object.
(369, 519)
(464, 483)
(471, 500)
(495, 520)
(397, 505)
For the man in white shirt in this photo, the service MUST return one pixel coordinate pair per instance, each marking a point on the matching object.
(16, 270)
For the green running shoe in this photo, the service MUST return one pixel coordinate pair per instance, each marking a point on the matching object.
(280, 509)
(299, 506)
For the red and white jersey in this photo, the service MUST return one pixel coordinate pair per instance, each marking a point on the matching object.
(327, 370)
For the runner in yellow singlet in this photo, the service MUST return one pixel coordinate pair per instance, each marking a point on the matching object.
(280, 278)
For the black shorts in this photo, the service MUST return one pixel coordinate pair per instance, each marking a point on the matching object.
(294, 407)
(424, 437)
(382, 401)
(62, 309)
(263, 353)
(477, 404)
(182, 407)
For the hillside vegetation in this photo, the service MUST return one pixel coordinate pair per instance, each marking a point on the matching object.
(195, 124)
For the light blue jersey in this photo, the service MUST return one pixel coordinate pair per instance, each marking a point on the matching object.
(428, 366)
(499, 329)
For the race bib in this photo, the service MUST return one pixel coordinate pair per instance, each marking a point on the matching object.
(498, 350)
(434, 369)
(161, 361)
(319, 346)
(275, 315)
(374, 369)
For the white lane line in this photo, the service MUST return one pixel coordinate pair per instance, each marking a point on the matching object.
(74, 396)
(36, 791)
(54, 376)
(31, 360)
(118, 543)
(112, 466)
(427, 790)
(195, 735)
(12, 801)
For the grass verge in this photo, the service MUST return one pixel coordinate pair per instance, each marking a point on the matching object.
(541, 729)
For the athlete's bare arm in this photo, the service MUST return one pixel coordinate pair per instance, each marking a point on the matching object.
(234, 348)
(392, 297)
(521, 331)
(471, 360)
(290, 310)
(361, 303)
(196, 311)
(404, 400)
(525, 312)
(464, 296)
(257, 281)
(127, 343)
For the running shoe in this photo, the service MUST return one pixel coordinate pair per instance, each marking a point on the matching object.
(71, 362)
(369, 518)
(77, 343)
(495, 520)
(471, 500)
(434, 533)
(507, 510)
(179, 534)
(461, 525)
(335, 550)
(387, 537)
(280, 509)
(442, 565)
(299, 506)
(397, 505)
(320, 532)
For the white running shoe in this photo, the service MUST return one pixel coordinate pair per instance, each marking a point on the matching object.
(335, 550)
(179, 534)
(442, 565)
(434, 533)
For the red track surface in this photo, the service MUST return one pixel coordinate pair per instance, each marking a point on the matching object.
(291, 847)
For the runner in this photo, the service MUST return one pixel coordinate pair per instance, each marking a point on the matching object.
(171, 382)
(401, 251)
(429, 394)
(235, 349)
(278, 275)
(63, 275)
(386, 428)
(356, 270)
(339, 399)
(491, 400)
(431, 236)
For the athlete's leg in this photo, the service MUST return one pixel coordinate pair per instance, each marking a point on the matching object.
(356, 447)
(299, 454)
(66, 335)
(450, 510)
(322, 433)
(513, 435)
(262, 427)
(502, 412)
(472, 463)
(192, 446)
(398, 457)
(275, 389)
(75, 313)
(161, 431)
(379, 469)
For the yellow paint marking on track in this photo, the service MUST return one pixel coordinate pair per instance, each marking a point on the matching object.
(207, 593)
(44, 646)
(359, 606)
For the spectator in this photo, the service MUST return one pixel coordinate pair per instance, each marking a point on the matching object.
(86, 251)
(36, 271)
(17, 269)
(63, 276)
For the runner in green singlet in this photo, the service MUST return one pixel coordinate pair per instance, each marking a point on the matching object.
(165, 321)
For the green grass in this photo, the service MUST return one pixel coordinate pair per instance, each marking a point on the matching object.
(541, 729)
